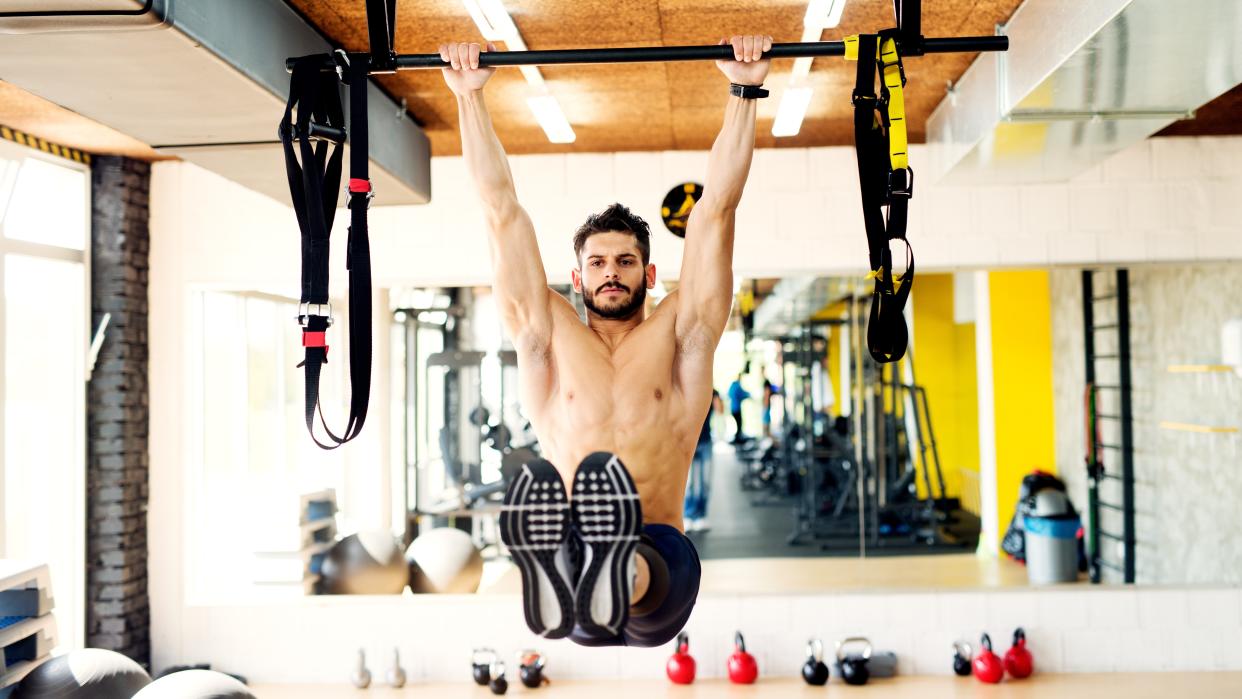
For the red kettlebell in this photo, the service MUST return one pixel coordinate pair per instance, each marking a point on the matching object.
(680, 667)
(1018, 660)
(987, 664)
(742, 666)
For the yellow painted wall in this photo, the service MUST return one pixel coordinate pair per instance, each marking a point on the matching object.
(1022, 381)
(944, 364)
(834, 367)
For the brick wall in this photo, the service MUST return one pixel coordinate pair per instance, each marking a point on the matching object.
(118, 613)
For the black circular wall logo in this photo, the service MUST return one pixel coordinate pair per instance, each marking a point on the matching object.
(677, 205)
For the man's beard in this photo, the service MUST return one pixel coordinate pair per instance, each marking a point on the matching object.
(620, 311)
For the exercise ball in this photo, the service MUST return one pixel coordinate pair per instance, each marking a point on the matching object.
(195, 684)
(86, 673)
(366, 563)
(444, 560)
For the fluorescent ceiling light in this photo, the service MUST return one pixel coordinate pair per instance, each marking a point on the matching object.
(532, 75)
(498, 17)
(811, 31)
(823, 14)
(790, 111)
(493, 21)
(801, 68)
(549, 115)
(495, 24)
(489, 32)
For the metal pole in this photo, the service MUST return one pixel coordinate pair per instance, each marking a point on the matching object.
(1127, 433)
(381, 23)
(649, 54)
(909, 17)
(857, 410)
(410, 428)
(1093, 466)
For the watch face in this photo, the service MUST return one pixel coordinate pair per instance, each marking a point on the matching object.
(677, 205)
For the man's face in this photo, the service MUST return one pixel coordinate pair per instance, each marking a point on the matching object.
(612, 279)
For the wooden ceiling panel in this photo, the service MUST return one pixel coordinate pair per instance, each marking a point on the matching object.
(558, 24)
(1220, 117)
(651, 106)
(36, 116)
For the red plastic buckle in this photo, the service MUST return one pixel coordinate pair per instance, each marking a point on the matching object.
(312, 339)
(359, 185)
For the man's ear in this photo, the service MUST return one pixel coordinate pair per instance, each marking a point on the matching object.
(576, 277)
(651, 275)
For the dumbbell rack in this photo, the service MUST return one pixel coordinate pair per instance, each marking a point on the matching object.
(27, 627)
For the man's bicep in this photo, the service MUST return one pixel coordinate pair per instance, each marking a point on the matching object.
(706, 284)
(520, 283)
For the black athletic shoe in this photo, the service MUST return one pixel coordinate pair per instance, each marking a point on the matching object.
(608, 518)
(534, 524)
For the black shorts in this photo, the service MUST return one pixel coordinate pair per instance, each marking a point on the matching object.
(660, 625)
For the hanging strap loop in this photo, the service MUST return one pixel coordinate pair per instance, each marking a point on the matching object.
(314, 152)
(886, 183)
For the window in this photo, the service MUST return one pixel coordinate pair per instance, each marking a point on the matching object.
(252, 457)
(44, 205)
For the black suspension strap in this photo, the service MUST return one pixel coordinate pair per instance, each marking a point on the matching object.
(314, 172)
(886, 183)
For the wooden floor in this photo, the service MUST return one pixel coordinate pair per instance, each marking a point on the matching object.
(800, 575)
(1105, 686)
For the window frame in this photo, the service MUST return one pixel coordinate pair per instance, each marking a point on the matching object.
(72, 631)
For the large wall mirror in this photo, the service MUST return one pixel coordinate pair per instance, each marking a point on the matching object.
(1047, 426)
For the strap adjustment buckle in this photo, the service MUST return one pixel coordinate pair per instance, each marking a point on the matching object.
(306, 310)
(314, 339)
(862, 97)
(901, 182)
(896, 37)
(901, 68)
(358, 186)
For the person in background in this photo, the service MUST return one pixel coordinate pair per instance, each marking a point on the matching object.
(737, 395)
(770, 390)
(698, 486)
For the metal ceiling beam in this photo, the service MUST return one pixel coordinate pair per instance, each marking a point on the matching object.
(203, 80)
(1083, 81)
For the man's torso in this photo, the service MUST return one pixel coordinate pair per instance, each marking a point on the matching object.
(643, 400)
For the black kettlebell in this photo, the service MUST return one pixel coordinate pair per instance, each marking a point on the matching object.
(498, 685)
(814, 671)
(481, 660)
(854, 668)
(962, 653)
(530, 664)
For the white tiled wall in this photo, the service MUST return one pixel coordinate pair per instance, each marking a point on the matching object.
(1162, 199)
(1071, 629)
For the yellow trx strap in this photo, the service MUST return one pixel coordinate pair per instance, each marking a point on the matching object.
(886, 54)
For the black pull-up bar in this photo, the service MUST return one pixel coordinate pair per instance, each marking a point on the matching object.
(659, 54)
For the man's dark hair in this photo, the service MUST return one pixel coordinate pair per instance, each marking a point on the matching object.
(615, 218)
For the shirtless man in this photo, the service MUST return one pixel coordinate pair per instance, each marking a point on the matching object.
(599, 544)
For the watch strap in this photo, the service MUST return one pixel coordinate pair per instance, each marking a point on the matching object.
(747, 92)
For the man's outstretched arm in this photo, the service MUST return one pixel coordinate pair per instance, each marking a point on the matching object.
(705, 291)
(520, 284)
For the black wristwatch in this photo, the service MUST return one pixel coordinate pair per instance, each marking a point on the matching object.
(747, 92)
